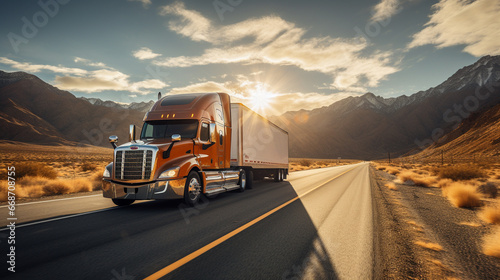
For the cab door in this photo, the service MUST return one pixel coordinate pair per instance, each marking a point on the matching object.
(207, 149)
(221, 138)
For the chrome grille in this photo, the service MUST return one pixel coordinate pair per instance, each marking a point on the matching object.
(133, 165)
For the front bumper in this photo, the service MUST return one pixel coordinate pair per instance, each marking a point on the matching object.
(172, 189)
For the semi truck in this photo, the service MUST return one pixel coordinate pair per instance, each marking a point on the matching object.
(192, 145)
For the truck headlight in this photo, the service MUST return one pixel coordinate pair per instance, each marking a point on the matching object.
(106, 173)
(170, 173)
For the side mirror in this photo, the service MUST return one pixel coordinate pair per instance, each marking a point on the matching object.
(176, 137)
(213, 133)
(113, 139)
(131, 135)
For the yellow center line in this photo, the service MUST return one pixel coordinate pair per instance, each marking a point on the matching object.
(171, 267)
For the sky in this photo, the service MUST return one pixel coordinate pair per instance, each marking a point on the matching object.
(273, 56)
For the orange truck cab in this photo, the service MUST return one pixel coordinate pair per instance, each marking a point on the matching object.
(185, 149)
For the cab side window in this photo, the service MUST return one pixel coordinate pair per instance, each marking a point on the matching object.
(204, 132)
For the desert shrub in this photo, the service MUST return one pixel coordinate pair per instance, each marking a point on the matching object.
(381, 168)
(305, 162)
(461, 172)
(56, 187)
(81, 185)
(3, 190)
(34, 169)
(406, 176)
(391, 186)
(424, 181)
(87, 166)
(491, 243)
(462, 195)
(392, 170)
(96, 181)
(430, 245)
(491, 214)
(489, 189)
(411, 178)
(443, 183)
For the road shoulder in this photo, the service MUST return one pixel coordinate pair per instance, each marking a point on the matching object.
(397, 256)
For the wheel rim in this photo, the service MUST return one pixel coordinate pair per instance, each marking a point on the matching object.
(243, 180)
(194, 189)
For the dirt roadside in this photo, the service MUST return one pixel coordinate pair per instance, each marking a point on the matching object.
(420, 235)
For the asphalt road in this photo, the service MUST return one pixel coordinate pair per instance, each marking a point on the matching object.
(316, 225)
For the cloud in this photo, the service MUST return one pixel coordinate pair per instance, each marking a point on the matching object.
(272, 40)
(385, 9)
(475, 24)
(145, 3)
(89, 81)
(145, 53)
(245, 91)
(34, 68)
(89, 62)
(101, 80)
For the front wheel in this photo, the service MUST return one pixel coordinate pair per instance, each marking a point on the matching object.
(122, 202)
(192, 189)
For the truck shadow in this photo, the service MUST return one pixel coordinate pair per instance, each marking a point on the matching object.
(285, 245)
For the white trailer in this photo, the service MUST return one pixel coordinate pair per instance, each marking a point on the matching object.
(257, 145)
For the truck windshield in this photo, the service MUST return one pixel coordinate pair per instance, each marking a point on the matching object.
(165, 129)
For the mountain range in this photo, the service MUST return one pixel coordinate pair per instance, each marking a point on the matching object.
(370, 127)
(361, 127)
(33, 111)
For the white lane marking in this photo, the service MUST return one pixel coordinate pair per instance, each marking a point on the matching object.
(61, 218)
(60, 199)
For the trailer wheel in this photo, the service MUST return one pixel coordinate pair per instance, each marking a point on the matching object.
(277, 175)
(243, 180)
(192, 189)
(249, 174)
(122, 202)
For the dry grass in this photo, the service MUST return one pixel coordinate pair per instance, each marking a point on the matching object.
(87, 166)
(443, 183)
(470, 224)
(3, 190)
(51, 170)
(305, 162)
(38, 186)
(462, 195)
(491, 214)
(391, 186)
(34, 169)
(417, 179)
(299, 164)
(392, 170)
(491, 243)
(461, 172)
(56, 187)
(429, 245)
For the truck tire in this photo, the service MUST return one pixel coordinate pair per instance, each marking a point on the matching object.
(249, 174)
(277, 175)
(192, 189)
(122, 202)
(242, 181)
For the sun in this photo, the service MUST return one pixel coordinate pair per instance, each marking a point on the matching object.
(260, 99)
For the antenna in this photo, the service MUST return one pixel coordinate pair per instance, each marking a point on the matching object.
(159, 95)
